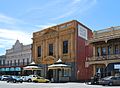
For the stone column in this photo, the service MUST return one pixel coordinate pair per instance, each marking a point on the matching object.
(94, 53)
(60, 47)
(35, 53)
(43, 49)
(46, 48)
(94, 70)
(72, 45)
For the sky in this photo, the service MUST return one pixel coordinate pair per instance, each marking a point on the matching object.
(20, 18)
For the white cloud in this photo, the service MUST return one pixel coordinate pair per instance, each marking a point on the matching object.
(76, 1)
(8, 38)
(76, 7)
(7, 19)
(64, 15)
(45, 26)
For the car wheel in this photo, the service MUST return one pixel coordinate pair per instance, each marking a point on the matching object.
(110, 84)
(14, 81)
(103, 84)
(47, 81)
(29, 80)
(21, 81)
(3, 79)
(35, 81)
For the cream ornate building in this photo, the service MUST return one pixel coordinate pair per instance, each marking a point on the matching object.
(16, 58)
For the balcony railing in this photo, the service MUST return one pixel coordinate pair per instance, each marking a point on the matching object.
(13, 64)
(105, 57)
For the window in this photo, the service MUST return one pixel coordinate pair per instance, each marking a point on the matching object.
(98, 51)
(11, 62)
(14, 62)
(39, 51)
(116, 49)
(8, 63)
(65, 47)
(103, 51)
(23, 61)
(51, 49)
(109, 50)
(0, 62)
(27, 61)
(3, 62)
(18, 62)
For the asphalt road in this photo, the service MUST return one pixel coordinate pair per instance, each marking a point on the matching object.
(4, 84)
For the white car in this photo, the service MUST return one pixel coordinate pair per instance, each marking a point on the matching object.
(29, 78)
(4, 77)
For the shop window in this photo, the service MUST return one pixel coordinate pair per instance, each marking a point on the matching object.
(39, 51)
(65, 47)
(50, 49)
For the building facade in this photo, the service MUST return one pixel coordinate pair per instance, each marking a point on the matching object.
(106, 52)
(67, 41)
(16, 58)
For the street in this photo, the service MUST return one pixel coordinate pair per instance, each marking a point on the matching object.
(4, 84)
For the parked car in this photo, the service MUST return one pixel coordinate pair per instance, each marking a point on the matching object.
(111, 80)
(0, 77)
(28, 78)
(94, 80)
(14, 79)
(40, 80)
(4, 77)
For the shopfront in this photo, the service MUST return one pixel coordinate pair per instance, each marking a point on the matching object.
(11, 70)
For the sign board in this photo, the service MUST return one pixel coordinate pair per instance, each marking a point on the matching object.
(7, 69)
(17, 69)
(82, 32)
(12, 69)
(116, 66)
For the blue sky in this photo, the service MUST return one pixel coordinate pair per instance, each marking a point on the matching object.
(20, 18)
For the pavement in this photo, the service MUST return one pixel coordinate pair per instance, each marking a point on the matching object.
(4, 84)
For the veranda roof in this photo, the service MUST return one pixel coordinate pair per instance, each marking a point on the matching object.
(32, 68)
(58, 65)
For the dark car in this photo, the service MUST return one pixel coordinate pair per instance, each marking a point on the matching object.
(14, 79)
(111, 80)
(94, 80)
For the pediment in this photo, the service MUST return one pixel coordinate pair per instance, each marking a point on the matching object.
(50, 31)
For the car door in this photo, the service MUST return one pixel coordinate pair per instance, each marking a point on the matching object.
(38, 79)
(118, 80)
(114, 80)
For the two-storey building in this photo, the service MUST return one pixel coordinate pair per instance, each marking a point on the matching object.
(106, 52)
(16, 58)
(67, 41)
